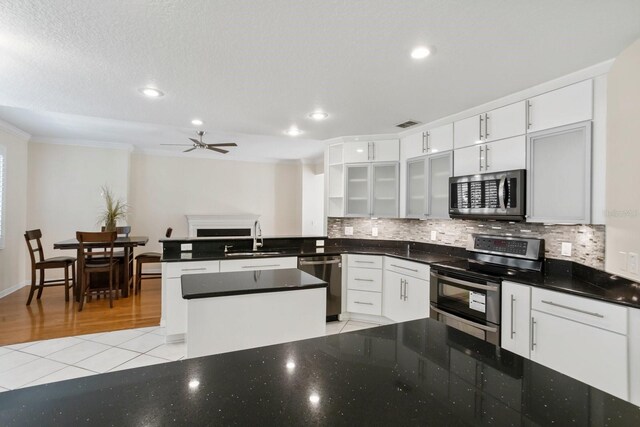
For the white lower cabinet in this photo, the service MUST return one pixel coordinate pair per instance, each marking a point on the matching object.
(364, 302)
(258, 264)
(404, 297)
(516, 308)
(580, 337)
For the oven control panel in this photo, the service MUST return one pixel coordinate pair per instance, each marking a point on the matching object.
(509, 246)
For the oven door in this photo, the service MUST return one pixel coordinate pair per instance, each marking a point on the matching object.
(484, 330)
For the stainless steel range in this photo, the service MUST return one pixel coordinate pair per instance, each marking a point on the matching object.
(465, 294)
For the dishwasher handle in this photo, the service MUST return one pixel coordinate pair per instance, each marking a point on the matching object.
(332, 261)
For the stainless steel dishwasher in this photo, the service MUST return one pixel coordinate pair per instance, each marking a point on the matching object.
(329, 269)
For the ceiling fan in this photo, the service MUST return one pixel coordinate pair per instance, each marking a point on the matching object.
(197, 143)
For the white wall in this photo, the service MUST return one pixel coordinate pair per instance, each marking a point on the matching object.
(65, 188)
(13, 256)
(166, 188)
(313, 199)
(623, 161)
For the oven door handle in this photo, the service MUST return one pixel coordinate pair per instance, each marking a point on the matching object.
(465, 321)
(493, 288)
(501, 193)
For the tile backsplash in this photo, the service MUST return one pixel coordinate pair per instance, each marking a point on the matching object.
(587, 240)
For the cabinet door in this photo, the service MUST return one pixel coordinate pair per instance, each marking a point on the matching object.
(440, 168)
(404, 298)
(413, 145)
(516, 312)
(468, 161)
(559, 172)
(467, 132)
(506, 122)
(253, 264)
(588, 354)
(416, 188)
(385, 151)
(385, 190)
(506, 154)
(560, 107)
(357, 152)
(440, 139)
(176, 316)
(357, 190)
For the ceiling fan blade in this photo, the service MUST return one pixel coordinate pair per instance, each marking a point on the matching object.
(217, 149)
(179, 145)
(190, 149)
(224, 144)
(195, 141)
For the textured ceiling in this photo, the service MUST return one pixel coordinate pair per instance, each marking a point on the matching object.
(257, 67)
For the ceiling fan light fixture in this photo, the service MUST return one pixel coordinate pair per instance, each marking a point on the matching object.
(293, 131)
(151, 92)
(197, 122)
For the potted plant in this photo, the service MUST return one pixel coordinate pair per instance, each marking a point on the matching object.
(114, 210)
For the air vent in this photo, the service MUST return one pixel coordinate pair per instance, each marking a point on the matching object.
(407, 124)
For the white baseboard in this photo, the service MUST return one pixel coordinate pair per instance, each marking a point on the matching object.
(13, 288)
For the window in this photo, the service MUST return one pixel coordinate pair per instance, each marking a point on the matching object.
(3, 156)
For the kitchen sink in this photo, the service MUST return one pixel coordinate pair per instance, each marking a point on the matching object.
(261, 253)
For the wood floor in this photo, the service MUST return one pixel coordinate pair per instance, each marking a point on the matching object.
(52, 317)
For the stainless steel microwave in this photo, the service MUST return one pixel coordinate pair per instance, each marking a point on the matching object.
(499, 195)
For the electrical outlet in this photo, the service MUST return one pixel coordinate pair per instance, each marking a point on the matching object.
(434, 235)
(184, 247)
(623, 261)
(566, 248)
(374, 231)
(348, 231)
(319, 242)
(632, 263)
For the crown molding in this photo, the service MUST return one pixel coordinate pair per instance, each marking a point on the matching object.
(15, 131)
(83, 143)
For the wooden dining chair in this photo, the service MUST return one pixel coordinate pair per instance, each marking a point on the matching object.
(40, 264)
(96, 256)
(148, 258)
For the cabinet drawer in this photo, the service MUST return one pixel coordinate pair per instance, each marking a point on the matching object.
(584, 310)
(364, 302)
(364, 279)
(407, 268)
(258, 264)
(177, 269)
(364, 261)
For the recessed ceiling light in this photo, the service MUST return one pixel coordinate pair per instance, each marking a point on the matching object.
(151, 92)
(318, 115)
(420, 52)
(293, 131)
(193, 384)
(314, 398)
(196, 122)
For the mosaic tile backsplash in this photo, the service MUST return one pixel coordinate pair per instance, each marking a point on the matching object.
(587, 240)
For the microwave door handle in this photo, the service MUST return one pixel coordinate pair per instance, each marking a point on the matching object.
(463, 320)
(501, 193)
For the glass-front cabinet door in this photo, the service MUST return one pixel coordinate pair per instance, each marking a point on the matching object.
(416, 188)
(357, 190)
(385, 190)
(439, 168)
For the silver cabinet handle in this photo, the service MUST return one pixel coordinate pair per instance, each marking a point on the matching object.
(486, 157)
(404, 268)
(486, 125)
(364, 262)
(194, 269)
(463, 320)
(465, 283)
(480, 157)
(513, 300)
(363, 303)
(528, 115)
(333, 261)
(267, 265)
(590, 313)
(480, 126)
(362, 280)
(424, 142)
(533, 330)
(400, 289)
(428, 141)
(406, 296)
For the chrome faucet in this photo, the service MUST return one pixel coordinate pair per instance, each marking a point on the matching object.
(257, 233)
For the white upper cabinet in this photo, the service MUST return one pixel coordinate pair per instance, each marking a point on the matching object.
(439, 139)
(505, 122)
(372, 151)
(503, 155)
(413, 145)
(501, 123)
(564, 106)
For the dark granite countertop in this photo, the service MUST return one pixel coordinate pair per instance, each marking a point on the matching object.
(210, 285)
(413, 373)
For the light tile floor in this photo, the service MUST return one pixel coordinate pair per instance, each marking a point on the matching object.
(41, 362)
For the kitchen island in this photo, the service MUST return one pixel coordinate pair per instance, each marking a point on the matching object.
(246, 309)
(413, 373)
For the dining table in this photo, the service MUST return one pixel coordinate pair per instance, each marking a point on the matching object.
(127, 243)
